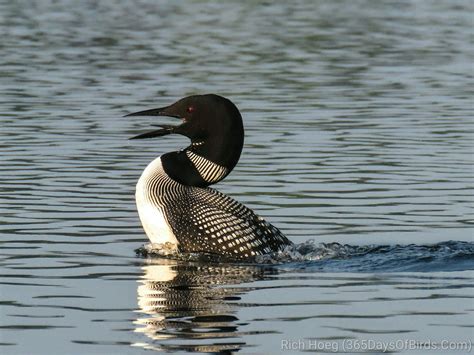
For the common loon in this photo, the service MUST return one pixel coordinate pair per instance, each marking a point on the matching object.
(173, 199)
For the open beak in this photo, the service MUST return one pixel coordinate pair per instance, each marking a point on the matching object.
(164, 129)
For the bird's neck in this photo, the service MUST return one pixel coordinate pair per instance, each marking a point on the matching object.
(202, 163)
(222, 150)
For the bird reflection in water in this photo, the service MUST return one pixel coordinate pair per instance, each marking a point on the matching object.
(189, 307)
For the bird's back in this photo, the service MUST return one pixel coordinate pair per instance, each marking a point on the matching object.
(202, 220)
(205, 220)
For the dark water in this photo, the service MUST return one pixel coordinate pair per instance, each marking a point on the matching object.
(359, 132)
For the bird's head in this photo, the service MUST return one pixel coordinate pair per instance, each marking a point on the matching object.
(212, 123)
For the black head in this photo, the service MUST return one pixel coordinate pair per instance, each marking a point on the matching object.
(214, 126)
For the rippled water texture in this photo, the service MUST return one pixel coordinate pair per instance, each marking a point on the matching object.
(359, 131)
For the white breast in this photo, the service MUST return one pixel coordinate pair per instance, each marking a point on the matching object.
(151, 213)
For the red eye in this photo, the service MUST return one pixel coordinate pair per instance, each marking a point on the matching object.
(190, 109)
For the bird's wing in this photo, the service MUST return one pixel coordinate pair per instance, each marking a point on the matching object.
(208, 221)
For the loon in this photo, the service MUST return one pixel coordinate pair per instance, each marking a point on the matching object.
(174, 201)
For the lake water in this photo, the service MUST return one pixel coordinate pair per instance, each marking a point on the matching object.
(359, 131)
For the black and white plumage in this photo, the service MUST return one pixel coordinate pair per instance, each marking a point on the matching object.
(174, 201)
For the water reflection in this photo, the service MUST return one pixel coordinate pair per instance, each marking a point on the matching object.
(179, 301)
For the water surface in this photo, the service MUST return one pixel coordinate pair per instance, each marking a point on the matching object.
(359, 131)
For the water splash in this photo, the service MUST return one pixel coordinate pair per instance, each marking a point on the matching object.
(335, 257)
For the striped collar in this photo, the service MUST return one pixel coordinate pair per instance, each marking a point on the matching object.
(209, 171)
